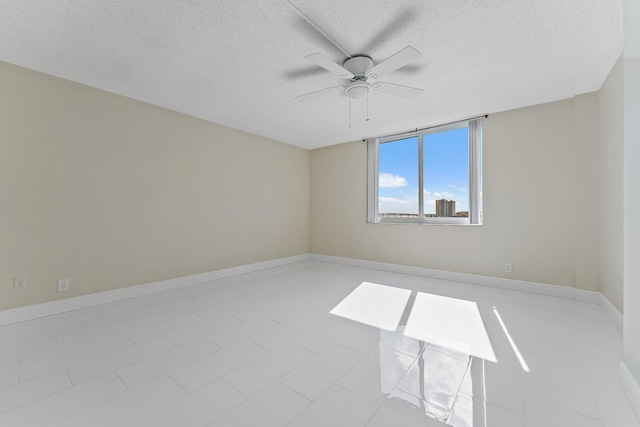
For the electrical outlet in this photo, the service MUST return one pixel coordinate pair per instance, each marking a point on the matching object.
(19, 283)
(285, 250)
(508, 268)
(63, 285)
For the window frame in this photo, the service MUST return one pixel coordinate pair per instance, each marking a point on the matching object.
(474, 127)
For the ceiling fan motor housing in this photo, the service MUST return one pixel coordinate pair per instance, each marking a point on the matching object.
(358, 66)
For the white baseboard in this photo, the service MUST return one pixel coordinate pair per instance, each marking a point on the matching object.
(599, 298)
(76, 303)
(475, 279)
(588, 296)
(612, 311)
(631, 387)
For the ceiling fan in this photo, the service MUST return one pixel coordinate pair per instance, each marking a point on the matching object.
(361, 75)
(360, 72)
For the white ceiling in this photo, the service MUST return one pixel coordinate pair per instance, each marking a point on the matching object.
(240, 63)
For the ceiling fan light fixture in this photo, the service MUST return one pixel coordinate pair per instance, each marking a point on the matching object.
(357, 90)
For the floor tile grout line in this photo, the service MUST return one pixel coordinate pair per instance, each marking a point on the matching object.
(209, 337)
(498, 405)
(374, 413)
(66, 369)
(629, 407)
(62, 391)
(129, 422)
(400, 377)
(220, 376)
(246, 398)
(186, 393)
(230, 409)
(41, 397)
(165, 351)
(121, 380)
(296, 392)
(561, 407)
(455, 398)
(276, 380)
(127, 364)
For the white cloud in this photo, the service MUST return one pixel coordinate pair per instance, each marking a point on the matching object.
(460, 189)
(443, 195)
(388, 180)
(409, 204)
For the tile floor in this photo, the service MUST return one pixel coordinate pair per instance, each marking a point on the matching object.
(263, 349)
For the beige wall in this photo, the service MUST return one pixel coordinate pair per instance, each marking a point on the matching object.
(632, 188)
(111, 192)
(531, 193)
(631, 209)
(610, 103)
(587, 208)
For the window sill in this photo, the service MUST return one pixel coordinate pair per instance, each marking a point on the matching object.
(430, 223)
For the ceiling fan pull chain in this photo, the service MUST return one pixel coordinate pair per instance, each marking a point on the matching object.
(367, 107)
(349, 113)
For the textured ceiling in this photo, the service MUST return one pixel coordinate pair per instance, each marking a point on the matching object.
(241, 63)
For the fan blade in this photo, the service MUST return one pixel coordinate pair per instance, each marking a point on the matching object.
(402, 19)
(303, 72)
(398, 90)
(329, 65)
(395, 61)
(318, 93)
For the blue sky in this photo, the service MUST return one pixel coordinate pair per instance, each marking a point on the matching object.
(445, 172)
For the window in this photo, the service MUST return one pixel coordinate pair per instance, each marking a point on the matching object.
(432, 176)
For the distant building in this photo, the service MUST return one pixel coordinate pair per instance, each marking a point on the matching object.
(445, 207)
